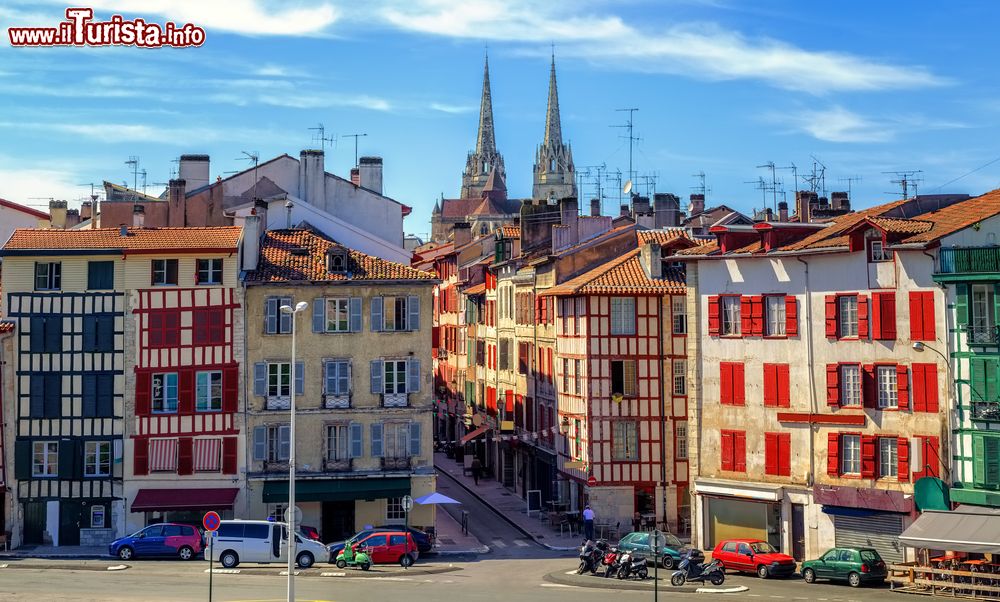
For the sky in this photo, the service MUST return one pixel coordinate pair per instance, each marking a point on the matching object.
(721, 87)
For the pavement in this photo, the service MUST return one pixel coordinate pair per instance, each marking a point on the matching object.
(451, 541)
(57, 552)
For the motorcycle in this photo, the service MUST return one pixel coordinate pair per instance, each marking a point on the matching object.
(691, 570)
(632, 565)
(354, 555)
(611, 561)
(591, 555)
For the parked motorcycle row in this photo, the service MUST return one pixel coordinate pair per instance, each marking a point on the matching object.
(601, 557)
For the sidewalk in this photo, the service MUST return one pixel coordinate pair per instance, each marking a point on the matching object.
(510, 506)
(68, 552)
(451, 541)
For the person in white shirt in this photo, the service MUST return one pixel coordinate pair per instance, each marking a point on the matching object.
(588, 522)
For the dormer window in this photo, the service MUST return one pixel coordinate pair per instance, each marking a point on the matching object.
(336, 261)
(876, 247)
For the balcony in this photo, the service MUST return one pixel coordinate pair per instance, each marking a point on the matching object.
(982, 335)
(340, 465)
(283, 402)
(336, 402)
(276, 466)
(969, 260)
(395, 400)
(986, 411)
(396, 463)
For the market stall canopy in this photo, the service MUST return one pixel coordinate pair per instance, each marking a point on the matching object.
(435, 498)
(965, 529)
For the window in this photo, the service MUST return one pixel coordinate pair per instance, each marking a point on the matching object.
(338, 315)
(231, 530)
(395, 376)
(729, 547)
(847, 316)
(850, 454)
(577, 439)
(395, 313)
(45, 392)
(277, 444)
(681, 440)
(164, 328)
(777, 454)
(505, 350)
(888, 457)
(731, 316)
(46, 334)
(565, 375)
(981, 314)
(850, 385)
(922, 316)
(208, 391)
(734, 451)
(577, 377)
(731, 384)
(888, 394)
(680, 377)
(776, 386)
(279, 379)
(100, 275)
(877, 251)
(393, 511)
(883, 316)
(337, 377)
(209, 326)
(578, 315)
(336, 442)
(209, 271)
(45, 459)
(97, 459)
(275, 320)
(165, 392)
(774, 310)
(164, 272)
(985, 454)
(336, 261)
(163, 455)
(207, 454)
(98, 394)
(625, 437)
(99, 334)
(48, 276)
(623, 378)
(679, 309)
(396, 439)
(622, 315)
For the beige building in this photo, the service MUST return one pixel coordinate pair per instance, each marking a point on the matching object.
(362, 382)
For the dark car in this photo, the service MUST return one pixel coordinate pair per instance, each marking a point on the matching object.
(753, 556)
(421, 538)
(853, 565)
(671, 549)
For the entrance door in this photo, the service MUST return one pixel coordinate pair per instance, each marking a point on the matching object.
(338, 520)
(34, 522)
(70, 515)
(798, 532)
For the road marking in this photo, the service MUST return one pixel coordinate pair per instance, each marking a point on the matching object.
(521, 543)
(572, 572)
(554, 585)
(499, 543)
(225, 571)
(285, 573)
(753, 595)
(332, 574)
(3, 566)
(773, 596)
(117, 567)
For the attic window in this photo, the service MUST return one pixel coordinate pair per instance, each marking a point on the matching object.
(336, 261)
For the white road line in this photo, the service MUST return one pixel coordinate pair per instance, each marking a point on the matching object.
(521, 543)
(225, 571)
(332, 574)
(753, 595)
(499, 543)
(554, 585)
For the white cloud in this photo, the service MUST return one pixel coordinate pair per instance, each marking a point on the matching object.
(113, 133)
(23, 185)
(453, 109)
(837, 124)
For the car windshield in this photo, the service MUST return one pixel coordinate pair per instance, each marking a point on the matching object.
(762, 547)
(870, 555)
(668, 540)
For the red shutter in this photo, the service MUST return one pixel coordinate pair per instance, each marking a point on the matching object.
(229, 457)
(876, 317)
(185, 455)
(833, 384)
(833, 454)
(784, 388)
(785, 454)
(509, 401)
(903, 466)
(739, 389)
(230, 389)
(436, 337)
(725, 383)
(740, 451)
(916, 316)
(867, 457)
(551, 365)
(791, 316)
(727, 450)
(713, 316)
(770, 385)
(885, 316)
(902, 388)
(143, 393)
(771, 453)
(930, 329)
(862, 317)
(757, 315)
(746, 316)
(931, 457)
(931, 388)
(869, 391)
(185, 392)
(140, 456)
(831, 316)
(919, 393)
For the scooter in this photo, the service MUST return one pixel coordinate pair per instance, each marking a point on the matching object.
(354, 555)
(591, 553)
(691, 570)
(632, 565)
(611, 560)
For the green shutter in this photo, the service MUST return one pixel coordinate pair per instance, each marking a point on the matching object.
(962, 304)
(978, 463)
(991, 462)
(996, 303)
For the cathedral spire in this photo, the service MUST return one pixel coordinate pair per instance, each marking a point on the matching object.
(485, 141)
(554, 174)
(485, 158)
(553, 129)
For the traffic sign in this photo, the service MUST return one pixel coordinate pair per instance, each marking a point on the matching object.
(591, 481)
(407, 503)
(298, 517)
(211, 521)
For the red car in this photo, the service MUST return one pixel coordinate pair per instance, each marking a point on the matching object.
(753, 556)
(387, 547)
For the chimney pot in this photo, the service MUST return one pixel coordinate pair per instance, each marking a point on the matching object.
(595, 207)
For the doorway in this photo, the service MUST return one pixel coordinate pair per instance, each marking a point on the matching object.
(798, 532)
(70, 515)
(34, 522)
(338, 520)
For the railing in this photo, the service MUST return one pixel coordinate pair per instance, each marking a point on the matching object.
(394, 400)
(986, 411)
(978, 585)
(337, 402)
(396, 463)
(982, 335)
(278, 466)
(279, 403)
(341, 465)
(971, 260)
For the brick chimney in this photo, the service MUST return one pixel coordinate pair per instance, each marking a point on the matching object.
(86, 210)
(666, 210)
(651, 260)
(839, 201)
(782, 211)
(462, 232)
(569, 215)
(57, 214)
(176, 203)
(623, 211)
(697, 204)
(804, 200)
(72, 218)
(595, 207)
(356, 176)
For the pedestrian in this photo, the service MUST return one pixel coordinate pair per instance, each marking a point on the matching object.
(588, 522)
(477, 469)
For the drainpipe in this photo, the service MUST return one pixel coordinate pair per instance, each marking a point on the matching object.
(812, 375)
(953, 405)
(663, 424)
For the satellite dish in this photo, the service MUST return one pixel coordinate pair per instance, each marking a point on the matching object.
(628, 187)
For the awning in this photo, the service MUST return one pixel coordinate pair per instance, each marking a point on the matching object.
(479, 431)
(337, 490)
(966, 529)
(149, 500)
(845, 511)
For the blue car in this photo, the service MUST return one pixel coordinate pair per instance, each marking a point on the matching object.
(165, 539)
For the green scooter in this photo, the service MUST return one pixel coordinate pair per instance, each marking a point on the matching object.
(354, 555)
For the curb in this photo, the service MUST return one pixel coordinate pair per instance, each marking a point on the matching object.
(507, 518)
(597, 582)
(59, 556)
(480, 550)
(351, 574)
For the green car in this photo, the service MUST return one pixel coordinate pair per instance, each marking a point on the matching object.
(670, 547)
(853, 565)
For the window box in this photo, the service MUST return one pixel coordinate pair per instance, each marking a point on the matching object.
(403, 463)
(336, 402)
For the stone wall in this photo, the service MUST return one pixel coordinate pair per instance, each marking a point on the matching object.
(96, 537)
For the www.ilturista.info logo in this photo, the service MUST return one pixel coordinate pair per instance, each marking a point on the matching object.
(79, 29)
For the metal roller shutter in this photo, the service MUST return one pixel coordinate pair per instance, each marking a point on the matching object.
(879, 531)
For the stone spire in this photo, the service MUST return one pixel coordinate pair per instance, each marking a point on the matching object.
(553, 129)
(554, 173)
(485, 159)
(485, 142)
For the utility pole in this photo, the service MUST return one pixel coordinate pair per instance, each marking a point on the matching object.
(355, 136)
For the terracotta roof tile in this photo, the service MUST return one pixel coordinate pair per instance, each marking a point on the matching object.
(622, 275)
(901, 226)
(476, 289)
(661, 236)
(6, 327)
(297, 254)
(138, 239)
(510, 231)
(708, 248)
(958, 216)
(831, 235)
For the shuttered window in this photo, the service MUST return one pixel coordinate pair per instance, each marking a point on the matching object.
(622, 315)
(922, 316)
(884, 316)
(625, 441)
(888, 397)
(888, 457)
(776, 386)
(731, 314)
(276, 321)
(731, 383)
(45, 459)
(734, 451)
(777, 454)
(623, 377)
(847, 316)
(850, 454)
(100, 275)
(775, 314)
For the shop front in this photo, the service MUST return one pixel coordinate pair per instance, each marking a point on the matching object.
(730, 509)
(181, 505)
(867, 518)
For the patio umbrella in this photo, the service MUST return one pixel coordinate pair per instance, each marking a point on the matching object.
(435, 498)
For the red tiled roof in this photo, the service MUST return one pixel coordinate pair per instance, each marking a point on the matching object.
(704, 249)
(955, 217)
(432, 254)
(138, 239)
(23, 209)
(298, 254)
(510, 231)
(476, 289)
(6, 327)
(901, 226)
(621, 275)
(662, 236)
(832, 235)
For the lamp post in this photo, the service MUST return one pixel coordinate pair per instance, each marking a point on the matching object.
(291, 521)
(952, 393)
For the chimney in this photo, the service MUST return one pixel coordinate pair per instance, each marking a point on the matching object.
(370, 173)
(252, 231)
(697, 204)
(260, 209)
(193, 171)
(312, 177)
(86, 210)
(569, 214)
(462, 233)
(138, 216)
(640, 204)
(124, 230)
(72, 218)
(595, 207)
(782, 211)
(651, 260)
(57, 214)
(840, 201)
(356, 176)
(804, 199)
(176, 203)
(623, 211)
(537, 217)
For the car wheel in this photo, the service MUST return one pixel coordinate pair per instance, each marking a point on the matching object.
(185, 553)
(365, 566)
(762, 572)
(341, 564)
(405, 560)
(667, 562)
(809, 576)
(229, 559)
(125, 553)
(854, 579)
(305, 560)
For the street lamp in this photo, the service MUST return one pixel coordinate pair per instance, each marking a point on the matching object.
(952, 392)
(291, 520)
(564, 426)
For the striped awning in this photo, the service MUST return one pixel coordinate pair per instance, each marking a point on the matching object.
(208, 455)
(162, 455)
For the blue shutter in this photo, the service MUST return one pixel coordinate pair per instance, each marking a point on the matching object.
(344, 378)
(376, 439)
(90, 334)
(260, 443)
(271, 315)
(376, 371)
(260, 379)
(89, 395)
(37, 334)
(329, 377)
(284, 320)
(284, 432)
(319, 315)
(376, 314)
(412, 375)
(37, 395)
(413, 311)
(414, 439)
(53, 395)
(300, 378)
(355, 312)
(53, 334)
(356, 443)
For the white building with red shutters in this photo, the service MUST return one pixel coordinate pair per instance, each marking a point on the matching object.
(812, 414)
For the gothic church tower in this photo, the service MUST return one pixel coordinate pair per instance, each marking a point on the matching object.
(554, 173)
(485, 159)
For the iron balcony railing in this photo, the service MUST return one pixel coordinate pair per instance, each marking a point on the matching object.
(986, 411)
(969, 260)
(982, 335)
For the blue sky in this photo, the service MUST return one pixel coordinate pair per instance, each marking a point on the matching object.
(722, 86)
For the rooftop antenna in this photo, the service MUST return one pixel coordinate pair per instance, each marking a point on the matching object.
(174, 169)
(40, 198)
(904, 179)
(321, 137)
(355, 136)
(616, 177)
(773, 186)
(631, 139)
(849, 180)
(649, 182)
(795, 175)
(133, 162)
(93, 195)
(760, 184)
(142, 173)
(817, 179)
(255, 158)
(701, 188)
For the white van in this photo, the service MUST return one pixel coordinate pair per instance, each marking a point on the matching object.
(262, 541)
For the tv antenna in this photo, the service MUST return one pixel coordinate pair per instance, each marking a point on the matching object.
(355, 136)
(760, 184)
(631, 138)
(253, 157)
(795, 175)
(616, 177)
(817, 179)
(773, 186)
(904, 179)
(142, 173)
(850, 180)
(649, 183)
(133, 162)
(93, 195)
(702, 187)
(321, 138)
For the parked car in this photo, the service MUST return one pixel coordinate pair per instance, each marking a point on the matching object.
(853, 565)
(309, 532)
(164, 539)
(262, 541)
(753, 556)
(421, 538)
(671, 549)
(389, 547)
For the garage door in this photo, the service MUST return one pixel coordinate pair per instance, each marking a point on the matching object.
(879, 531)
(730, 519)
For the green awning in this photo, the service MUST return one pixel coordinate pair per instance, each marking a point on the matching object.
(336, 490)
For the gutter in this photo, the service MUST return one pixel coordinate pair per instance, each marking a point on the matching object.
(812, 376)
